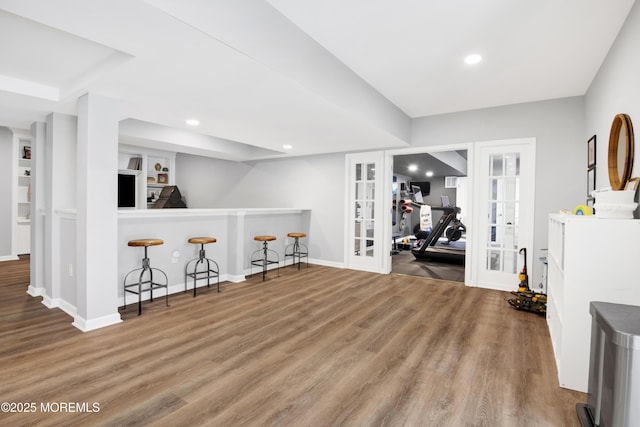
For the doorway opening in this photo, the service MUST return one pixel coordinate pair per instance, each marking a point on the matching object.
(430, 214)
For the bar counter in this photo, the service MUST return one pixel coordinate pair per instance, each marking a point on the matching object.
(234, 230)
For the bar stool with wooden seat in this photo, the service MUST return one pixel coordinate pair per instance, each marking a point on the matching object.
(202, 259)
(296, 249)
(142, 285)
(260, 258)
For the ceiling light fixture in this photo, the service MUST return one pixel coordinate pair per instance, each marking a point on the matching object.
(472, 59)
(287, 146)
(413, 168)
(429, 174)
(193, 122)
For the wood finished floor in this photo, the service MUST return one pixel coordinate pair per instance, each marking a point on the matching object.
(405, 263)
(318, 347)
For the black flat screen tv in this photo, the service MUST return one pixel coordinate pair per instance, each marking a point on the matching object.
(425, 187)
(126, 191)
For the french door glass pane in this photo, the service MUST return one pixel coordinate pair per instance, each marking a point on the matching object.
(510, 261)
(505, 237)
(371, 191)
(364, 208)
(370, 248)
(496, 165)
(371, 171)
(502, 227)
(495, 188)
(368, 209)
(510, 216)
(493, 260)
(359, 191)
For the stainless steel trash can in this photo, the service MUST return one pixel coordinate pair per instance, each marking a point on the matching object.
(614, 367)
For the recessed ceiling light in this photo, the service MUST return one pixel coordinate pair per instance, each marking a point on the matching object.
(429, 174)
(287, 146)
(193, 122)
(413, 168)
(472, 59)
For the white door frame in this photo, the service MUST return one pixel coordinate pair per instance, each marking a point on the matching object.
(469, 278)
(527, 228)
(376, 262)
(473, 149)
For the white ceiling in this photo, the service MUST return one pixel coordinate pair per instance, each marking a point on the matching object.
(323, 76)
(440, 165)
(412, 51)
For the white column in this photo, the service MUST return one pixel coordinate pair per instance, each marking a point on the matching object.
(236, 246)
(8, 192)
(38, 184)
(97, 213)
(59, 190)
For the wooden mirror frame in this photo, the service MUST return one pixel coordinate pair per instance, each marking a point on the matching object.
(620, 174)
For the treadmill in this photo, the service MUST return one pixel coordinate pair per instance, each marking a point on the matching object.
(452, 250)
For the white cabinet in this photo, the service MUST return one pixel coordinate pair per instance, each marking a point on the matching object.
(590, 259)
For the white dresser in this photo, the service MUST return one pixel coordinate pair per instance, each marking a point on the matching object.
(590, 259)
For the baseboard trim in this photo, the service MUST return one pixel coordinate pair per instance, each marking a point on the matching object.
(86, 325)
(326, 263)
(47, 301)
(35, 291)
(235, 278)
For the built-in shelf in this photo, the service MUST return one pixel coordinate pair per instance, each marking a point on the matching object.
(129, 172)
(22, 194)
(147, 177)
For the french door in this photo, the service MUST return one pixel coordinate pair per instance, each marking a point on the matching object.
(365, 244)
(504, 200)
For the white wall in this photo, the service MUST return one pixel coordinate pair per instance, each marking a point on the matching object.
(6, 190)
(561, 158)
(437, 190)
(205, 182)
(315, 182)
(616, 89)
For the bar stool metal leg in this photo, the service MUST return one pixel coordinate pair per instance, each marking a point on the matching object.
(197, 275)
(264, 261)
(296, 249)
(139, 285)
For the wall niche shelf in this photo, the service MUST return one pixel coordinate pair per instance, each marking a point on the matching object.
(149, 171)
(22, 194)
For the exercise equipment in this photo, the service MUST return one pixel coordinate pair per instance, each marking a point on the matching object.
(454, 231)
(431, 249)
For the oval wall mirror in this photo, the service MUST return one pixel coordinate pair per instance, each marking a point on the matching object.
(620, 151)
